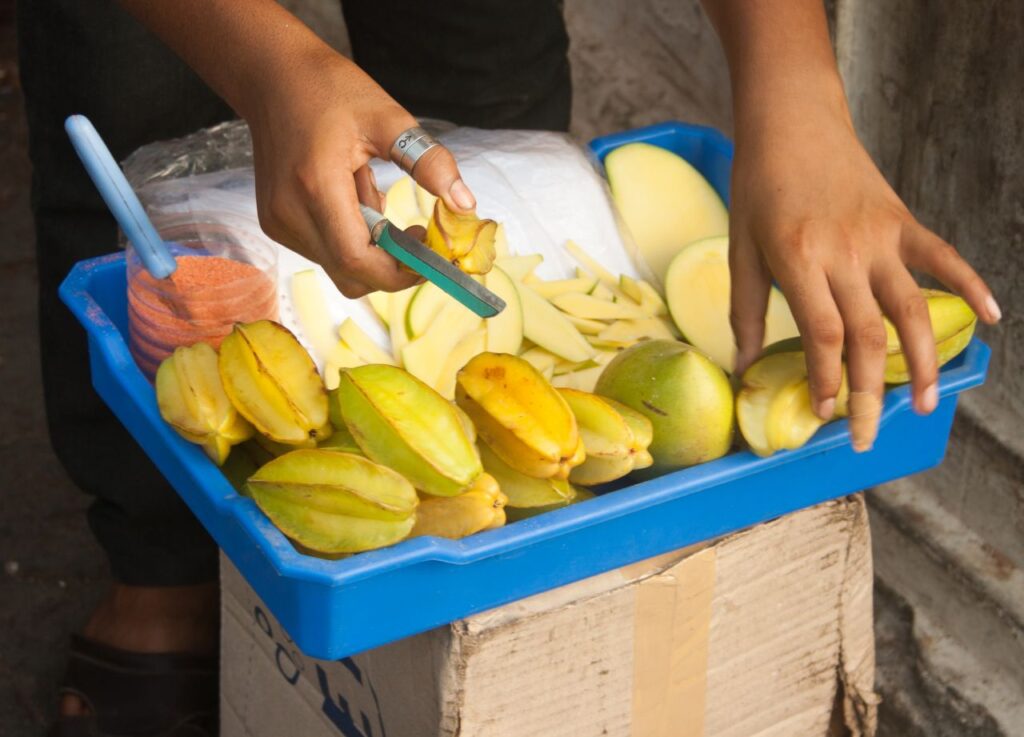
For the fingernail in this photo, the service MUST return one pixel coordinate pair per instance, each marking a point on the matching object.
(826, 408)
(461, 195)
(929, 399)
(993, 308)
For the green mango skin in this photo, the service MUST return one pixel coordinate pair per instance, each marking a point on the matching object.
(687, 398)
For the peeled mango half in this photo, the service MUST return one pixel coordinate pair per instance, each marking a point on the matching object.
(697, 288)
(664, 201)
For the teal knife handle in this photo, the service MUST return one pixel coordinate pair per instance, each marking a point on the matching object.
(381, 233)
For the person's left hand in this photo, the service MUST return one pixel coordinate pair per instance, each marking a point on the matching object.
(810, 209)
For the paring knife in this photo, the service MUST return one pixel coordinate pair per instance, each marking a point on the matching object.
(430, 265)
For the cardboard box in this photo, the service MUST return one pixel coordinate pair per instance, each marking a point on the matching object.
(766, 632)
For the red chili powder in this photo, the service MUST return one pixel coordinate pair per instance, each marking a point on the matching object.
(205, 289)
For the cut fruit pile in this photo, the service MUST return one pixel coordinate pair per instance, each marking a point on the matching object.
(568, 329)
(383, 456)
(461, 424)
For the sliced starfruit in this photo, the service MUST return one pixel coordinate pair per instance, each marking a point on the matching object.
(454, 517)
(462, 238)
(273, 383)
(402, 423)
(335, 502)
(522, 490)
(520, 415)
(953, 323)
(192, 400)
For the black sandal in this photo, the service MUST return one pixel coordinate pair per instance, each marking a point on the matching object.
(137, 694)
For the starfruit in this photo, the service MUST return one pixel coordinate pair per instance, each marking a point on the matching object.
(402, 423)
(612, 447)
(520, 416)
(192, 400)
(274, 383)
(462, 238)
(953, 323)
(335, 502)
(522, 490)
(514, 514)
(454, 517)
(341, 440)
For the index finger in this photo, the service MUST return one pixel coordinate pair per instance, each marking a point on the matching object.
(821, 328)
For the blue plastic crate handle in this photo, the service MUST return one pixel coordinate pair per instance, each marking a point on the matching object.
(119, 196)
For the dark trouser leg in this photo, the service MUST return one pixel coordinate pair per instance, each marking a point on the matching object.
(92, 58)
(482, 63)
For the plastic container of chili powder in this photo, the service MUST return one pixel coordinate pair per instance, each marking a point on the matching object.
(225, 275)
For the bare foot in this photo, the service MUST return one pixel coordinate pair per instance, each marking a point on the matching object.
(142, 619)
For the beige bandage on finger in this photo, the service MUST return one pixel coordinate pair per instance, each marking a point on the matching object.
(865, 411)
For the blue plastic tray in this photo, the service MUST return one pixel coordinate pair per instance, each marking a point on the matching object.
(337, 608)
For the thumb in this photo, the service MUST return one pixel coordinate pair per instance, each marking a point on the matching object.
(750, 287)
(437, 172)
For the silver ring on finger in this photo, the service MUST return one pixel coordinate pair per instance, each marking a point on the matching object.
(410, 146)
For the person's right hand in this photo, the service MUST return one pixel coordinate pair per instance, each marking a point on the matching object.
(315, 127)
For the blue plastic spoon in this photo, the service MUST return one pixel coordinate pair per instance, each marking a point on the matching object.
(120, 197)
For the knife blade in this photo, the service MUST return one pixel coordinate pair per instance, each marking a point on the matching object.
(430, 265)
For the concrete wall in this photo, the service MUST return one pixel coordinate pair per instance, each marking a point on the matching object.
(935, 90)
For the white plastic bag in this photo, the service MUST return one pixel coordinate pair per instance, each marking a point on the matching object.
(540, 185)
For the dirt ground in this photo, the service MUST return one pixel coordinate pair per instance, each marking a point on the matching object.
(46, 589)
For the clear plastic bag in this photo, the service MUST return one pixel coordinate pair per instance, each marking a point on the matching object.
(542, 186)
